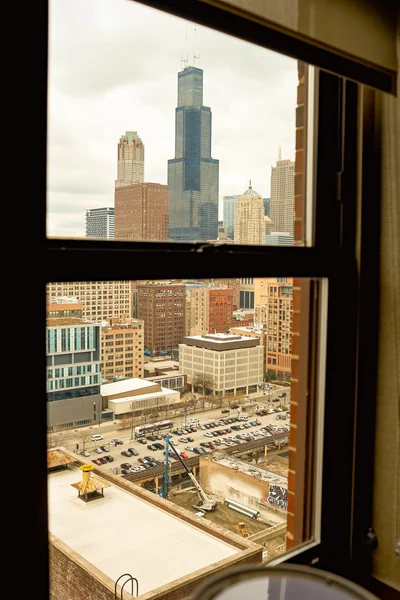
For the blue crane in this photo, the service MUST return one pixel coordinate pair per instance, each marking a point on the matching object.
(163, 492)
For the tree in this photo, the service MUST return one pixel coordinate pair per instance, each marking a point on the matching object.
(270, 375)
(84, 437)
(204, 381)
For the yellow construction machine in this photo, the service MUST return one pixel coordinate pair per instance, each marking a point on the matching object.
(242, 529)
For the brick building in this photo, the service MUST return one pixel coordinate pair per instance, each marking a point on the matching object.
(211, 310)
(141, 212)
(162, 308)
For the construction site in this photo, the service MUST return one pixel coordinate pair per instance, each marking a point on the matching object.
(272, 538)
(214, 511)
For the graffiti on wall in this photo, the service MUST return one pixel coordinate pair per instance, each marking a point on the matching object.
(278, 496)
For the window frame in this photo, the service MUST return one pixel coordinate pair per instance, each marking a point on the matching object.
(342, 549)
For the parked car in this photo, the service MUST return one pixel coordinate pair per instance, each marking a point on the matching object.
(102, 460)
(96, 461)
(225, 410)
(84, 453)
(142, 441)
(98, 451)
(124, 472)
(116, 442)
(283, 395)
(126, 465)
(105, 448)
(125, 453)
(133, 451)
(97, 438)
(109, 458)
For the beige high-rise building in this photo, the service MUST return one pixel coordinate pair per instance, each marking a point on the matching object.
(130, 159)
(249, 225)
(122, 350)
(261, 290)
(100, 300)
(275, 314)
(282, 196)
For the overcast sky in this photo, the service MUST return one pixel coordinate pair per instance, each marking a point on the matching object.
(113, 67)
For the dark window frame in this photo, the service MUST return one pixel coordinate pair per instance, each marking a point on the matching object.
(342, 549)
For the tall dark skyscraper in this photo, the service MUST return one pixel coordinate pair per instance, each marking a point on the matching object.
(192, 174)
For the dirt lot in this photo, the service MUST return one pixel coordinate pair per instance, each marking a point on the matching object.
(228, 518)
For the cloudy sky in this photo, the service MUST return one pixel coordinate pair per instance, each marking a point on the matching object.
(113, 67)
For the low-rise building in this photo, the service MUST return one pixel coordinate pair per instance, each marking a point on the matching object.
(131, 397)
(229, 363)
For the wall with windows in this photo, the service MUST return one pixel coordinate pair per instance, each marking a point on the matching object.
(122, 350)
(228, 370)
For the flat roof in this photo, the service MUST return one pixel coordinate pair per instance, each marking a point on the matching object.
(122, 533)
(219, 338)
(160, 364)
(125, 385)
(162, 392)
(220, 341)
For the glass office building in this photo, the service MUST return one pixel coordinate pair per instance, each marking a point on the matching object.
(192, 174)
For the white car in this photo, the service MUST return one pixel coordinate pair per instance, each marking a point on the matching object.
(208, 434)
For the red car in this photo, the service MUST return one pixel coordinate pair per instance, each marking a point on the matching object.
(184, 455)
(97, 461)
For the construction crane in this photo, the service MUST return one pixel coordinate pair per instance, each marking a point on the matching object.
(163, 492)
(242, 529)
(205, 503)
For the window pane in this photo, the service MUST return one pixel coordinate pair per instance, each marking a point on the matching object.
(194, 136)
(222, 366)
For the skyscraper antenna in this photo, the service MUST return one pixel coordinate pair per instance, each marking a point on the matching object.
(194, 48)
(185, 59)
(280, 153)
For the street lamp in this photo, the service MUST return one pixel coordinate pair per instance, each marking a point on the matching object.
(131, 407)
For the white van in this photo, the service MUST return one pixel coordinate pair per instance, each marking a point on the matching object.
(97, 438)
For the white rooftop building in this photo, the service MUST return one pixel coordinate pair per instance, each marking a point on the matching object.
(133, 395)
(130, 531)
(229, 362)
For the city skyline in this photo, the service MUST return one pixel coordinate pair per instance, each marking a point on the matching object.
(252, 92)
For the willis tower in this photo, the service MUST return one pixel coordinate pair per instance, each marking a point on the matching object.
(192, 174)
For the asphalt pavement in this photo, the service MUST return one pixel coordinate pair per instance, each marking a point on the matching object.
(111, 431)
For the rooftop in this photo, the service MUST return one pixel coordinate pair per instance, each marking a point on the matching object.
(126, 385)
(161, 547)
(68, 322)
(220, 338)
(263, 474)
(162, 391)
(251, 192)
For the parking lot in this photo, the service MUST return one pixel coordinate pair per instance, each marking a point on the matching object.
(119, 451)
